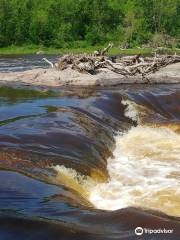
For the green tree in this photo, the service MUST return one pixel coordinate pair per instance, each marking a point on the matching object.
(65, 23)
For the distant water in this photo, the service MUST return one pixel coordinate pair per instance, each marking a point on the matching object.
(16, 63)
(88, 163)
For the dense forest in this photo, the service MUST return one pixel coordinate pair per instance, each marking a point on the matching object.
(79, 23)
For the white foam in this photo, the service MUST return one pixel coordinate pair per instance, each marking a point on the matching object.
(131, 110)
(144, 172)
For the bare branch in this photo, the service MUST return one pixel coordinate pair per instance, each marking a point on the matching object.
(127, 66)
(50, 63)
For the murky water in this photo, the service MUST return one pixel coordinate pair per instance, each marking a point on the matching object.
(88, 163)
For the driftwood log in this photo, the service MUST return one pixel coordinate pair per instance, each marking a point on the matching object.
(125, 65)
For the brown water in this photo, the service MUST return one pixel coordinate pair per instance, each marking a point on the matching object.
(89, 164)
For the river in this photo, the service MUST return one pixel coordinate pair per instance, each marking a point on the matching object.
(88, 163)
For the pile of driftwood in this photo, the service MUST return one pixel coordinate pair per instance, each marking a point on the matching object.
(124, 65)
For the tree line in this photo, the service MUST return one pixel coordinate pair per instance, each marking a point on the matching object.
(79, 23)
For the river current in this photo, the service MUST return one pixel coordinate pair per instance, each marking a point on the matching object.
(88, 163)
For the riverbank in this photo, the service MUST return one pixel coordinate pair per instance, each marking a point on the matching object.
(33, 49)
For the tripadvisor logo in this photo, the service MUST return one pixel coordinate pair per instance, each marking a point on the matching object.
(139, 231)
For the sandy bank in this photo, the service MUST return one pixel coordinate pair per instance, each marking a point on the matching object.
(104, 77)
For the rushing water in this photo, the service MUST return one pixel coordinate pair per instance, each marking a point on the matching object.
(88, 163)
